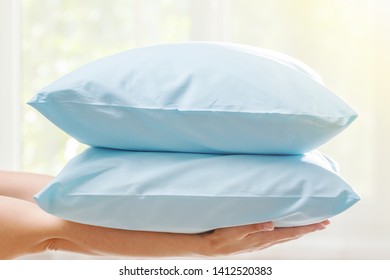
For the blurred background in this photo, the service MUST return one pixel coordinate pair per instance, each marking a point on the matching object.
(346, 41)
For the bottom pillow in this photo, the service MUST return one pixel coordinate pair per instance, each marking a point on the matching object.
(192, 193)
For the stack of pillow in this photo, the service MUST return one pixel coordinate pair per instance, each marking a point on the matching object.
(190, 137)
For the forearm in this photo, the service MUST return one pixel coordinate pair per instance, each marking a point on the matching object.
(106, 241)
(22, 185)
(69, 236)
(24, 228)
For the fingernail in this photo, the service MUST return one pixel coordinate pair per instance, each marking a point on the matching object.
(269, 226)
(326, 222)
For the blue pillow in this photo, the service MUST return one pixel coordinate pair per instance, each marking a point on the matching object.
(196, 97)
(190, 193)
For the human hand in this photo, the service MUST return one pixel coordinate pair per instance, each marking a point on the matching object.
(250, 238)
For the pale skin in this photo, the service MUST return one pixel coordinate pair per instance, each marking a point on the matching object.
(26, 229)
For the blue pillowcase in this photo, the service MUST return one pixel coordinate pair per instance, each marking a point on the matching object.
(187, 123)
(191, 193)
(198, 97)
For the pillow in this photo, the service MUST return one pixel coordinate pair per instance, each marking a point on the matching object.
(196, 97)
(191, 193)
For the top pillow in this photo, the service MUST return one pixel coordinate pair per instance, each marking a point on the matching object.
(199, 97)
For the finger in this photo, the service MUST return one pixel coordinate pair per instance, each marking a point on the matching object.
(281, 241)
(326, 222)
(264, 240)
(291, 232)
(243, 231)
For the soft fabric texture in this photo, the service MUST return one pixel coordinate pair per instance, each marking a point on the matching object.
(190, 193)
(199, 97)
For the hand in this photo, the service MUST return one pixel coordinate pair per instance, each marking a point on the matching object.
(249, 238)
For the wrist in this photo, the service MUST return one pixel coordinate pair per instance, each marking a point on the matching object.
(205, 246)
